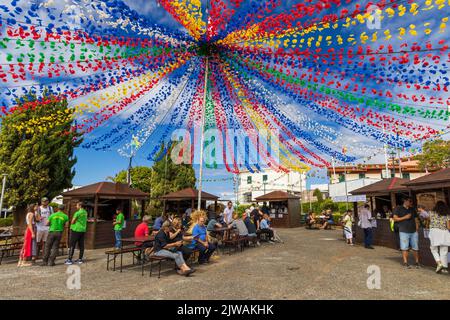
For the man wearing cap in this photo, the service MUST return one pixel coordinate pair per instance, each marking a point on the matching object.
(42, 229)
(56, 223)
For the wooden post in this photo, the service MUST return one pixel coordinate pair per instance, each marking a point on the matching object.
(94, 226)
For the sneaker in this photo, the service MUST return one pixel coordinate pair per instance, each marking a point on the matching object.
(444, 271)
(406, 265)
(439, 268)
(68, 262)
(418, 265)
(79, 261)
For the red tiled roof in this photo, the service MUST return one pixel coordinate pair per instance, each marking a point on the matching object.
(383, 186)
(189, 194)
(277, 195)
(108, 189)
(440, 176)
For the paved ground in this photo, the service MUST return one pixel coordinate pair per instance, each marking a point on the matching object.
(310, 265)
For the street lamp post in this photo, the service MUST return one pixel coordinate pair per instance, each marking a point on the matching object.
(3, 193)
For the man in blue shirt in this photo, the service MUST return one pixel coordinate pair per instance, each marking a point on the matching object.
(200, 242)
(159, 222)
(265, 228)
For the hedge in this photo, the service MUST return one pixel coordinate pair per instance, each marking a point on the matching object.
(6, 222)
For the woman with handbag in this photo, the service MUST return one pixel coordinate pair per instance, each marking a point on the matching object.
(439, 221)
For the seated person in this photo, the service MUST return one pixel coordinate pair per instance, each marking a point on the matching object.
(211, 229)
(142, 230)
(159, 221)
(200, 241)
(310, 220)
(265, 228)
(185, 221)
(239, 225)
(177, 235)
(328, 219)
(164, 248)
(250, 226)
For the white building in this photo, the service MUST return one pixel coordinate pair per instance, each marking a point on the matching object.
(358, 176)
(253, 185)
(59, 199)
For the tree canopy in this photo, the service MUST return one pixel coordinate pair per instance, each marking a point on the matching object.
(435, 154)
(165, 176)
(38, 160)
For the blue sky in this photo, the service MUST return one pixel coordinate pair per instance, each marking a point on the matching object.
(94, 166)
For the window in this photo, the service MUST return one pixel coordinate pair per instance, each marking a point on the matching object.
(249, 180)
(341, 177)
(265, 177)
(248, 197)
(406, 175)
(362, 175)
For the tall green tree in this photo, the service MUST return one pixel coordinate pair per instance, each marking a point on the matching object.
(435, 154)
(165, 176)
(36, 152)
(140, 178)
(318, 194)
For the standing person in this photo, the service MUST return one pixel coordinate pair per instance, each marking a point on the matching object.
(28, 251)
(118, 226)
(348, 225)
(57, 222)
(164, 248)
(200, 241)
(228, 213)
(408, 226)
(44, 211)
(365, 223)
(78, 228)
(439, 220)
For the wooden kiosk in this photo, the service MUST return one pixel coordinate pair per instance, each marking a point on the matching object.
(284, 209)
(178, 202)
(101, 201)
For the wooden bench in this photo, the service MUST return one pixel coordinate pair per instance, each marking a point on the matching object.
(135, 251)
(158, 260)
(10, 247)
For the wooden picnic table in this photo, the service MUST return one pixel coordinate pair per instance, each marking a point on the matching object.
(150, 238)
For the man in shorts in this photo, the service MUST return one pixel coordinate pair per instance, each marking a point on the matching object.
(408, 225)
(43, 213)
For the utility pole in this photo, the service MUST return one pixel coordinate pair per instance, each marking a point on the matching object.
(202, 139)
(129, 171)
(301, 193)
(393, 164)
(3, 193)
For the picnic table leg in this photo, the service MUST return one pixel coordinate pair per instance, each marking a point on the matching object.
(151, 267)
(159, 271)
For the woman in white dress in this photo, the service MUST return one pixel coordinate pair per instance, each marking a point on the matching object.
(439, 220)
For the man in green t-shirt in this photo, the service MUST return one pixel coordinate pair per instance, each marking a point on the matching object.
(77, 231)
(118, 226)
(57, 222)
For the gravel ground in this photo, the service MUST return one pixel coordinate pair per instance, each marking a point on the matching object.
(309, 265)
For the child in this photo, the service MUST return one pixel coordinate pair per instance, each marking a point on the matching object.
(348, 223)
